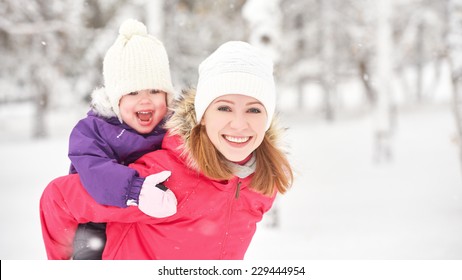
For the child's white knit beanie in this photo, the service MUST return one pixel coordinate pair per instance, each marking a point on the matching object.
(136, 61)
(236, 68)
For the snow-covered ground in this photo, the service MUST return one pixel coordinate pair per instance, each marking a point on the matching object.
(342, 205)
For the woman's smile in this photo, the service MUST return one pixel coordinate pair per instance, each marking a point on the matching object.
(237, 139)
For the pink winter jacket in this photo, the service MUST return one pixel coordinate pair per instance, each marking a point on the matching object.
(215, 219)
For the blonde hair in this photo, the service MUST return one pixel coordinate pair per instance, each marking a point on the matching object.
(273, 171)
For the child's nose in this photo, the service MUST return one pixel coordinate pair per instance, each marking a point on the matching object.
(145, 97)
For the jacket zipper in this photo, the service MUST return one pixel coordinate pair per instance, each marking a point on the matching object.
(238, 188)
(230, 210)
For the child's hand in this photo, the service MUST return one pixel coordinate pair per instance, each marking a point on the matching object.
(156, 200)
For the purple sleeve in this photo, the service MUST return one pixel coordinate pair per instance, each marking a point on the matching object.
(106, 180)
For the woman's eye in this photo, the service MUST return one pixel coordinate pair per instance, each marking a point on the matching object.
(224, 109)
(254, 110)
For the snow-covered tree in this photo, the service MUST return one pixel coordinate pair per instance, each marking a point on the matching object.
(384, 111)
(36, 35)
(454, 49)
(194, 29)
(417, 32)
(51, 51)
(264, 20)
(299, 46)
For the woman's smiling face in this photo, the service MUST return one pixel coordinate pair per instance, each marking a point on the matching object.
(236, 125)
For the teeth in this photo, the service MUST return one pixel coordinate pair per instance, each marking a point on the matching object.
(237, 139)
(144, 115)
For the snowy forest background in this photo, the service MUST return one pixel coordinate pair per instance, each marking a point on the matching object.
(370, 92)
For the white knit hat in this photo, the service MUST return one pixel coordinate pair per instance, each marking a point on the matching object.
(136, 61)
(236, 68)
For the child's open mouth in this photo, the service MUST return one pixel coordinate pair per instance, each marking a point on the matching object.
(144, 116)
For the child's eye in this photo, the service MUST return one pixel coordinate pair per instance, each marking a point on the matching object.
(155, 91)
(254, 110)
(224, 109)
(133, 93)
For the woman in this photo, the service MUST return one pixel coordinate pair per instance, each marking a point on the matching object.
(221, 147)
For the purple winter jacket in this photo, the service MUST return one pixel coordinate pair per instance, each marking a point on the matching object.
(100, 150)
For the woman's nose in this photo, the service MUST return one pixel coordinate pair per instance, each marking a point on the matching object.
(239, 121)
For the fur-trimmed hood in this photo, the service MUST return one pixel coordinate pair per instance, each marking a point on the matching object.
(100, 103)
(183, 120)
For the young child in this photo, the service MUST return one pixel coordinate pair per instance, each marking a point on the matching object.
(125, 122)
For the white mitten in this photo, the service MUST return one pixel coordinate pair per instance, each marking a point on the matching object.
(156, 200)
